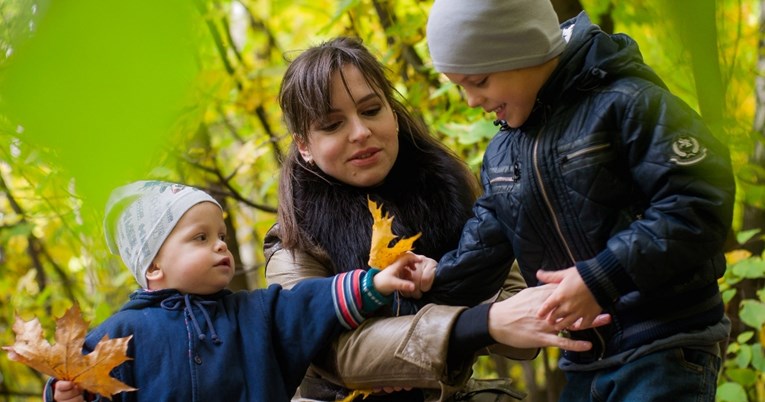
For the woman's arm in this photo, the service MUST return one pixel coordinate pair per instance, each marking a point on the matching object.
(382, 350)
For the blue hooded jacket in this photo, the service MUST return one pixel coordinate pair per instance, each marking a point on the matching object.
(243, 346)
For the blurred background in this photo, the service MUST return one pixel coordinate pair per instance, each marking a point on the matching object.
(94, 94)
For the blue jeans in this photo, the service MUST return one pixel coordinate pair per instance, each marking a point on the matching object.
(674, 375)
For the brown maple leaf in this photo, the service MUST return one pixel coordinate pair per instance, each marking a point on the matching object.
(381, 254)
(64, 359)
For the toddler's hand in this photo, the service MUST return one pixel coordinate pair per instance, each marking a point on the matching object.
(422, 276)
(397, 276)
(67, 391)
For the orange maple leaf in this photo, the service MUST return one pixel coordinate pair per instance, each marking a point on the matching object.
(380, 254)
(64, 359)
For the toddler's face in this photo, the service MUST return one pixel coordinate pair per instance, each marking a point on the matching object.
(195, 258)
(510, 94)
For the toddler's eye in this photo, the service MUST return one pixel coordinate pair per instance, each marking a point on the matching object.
(222, 237)
(201, 237)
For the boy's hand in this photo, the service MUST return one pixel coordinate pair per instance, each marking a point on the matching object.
(397, 276)
(571, 305)
(422, 276)
(514, 322)
(67, 391)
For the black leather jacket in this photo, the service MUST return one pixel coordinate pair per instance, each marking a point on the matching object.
(614, 175)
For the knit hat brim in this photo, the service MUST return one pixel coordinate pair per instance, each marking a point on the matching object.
(486, 36)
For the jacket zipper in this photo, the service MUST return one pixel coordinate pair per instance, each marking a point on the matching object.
(583, 151)
(556, 224)
(546, 199)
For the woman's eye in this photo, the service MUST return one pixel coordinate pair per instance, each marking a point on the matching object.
(372, 112)
(329, 126)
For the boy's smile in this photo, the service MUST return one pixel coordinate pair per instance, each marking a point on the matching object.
(510, 94)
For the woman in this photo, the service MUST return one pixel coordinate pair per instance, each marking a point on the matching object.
(354, 139)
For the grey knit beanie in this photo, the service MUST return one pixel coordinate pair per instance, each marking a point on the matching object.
(140, 216)
(486, 36)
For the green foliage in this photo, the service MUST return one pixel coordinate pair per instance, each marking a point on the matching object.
(743, 376)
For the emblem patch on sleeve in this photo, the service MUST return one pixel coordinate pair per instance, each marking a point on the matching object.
(687, 151)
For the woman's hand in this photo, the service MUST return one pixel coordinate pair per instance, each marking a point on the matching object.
(515, 322)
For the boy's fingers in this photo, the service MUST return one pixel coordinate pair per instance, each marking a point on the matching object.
(572, 345)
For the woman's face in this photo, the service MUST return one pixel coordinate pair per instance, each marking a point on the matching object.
(357, 142)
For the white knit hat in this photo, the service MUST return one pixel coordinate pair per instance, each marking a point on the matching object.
(140, 216)
(487, 36)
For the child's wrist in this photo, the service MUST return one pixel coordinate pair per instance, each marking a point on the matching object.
(372, 298)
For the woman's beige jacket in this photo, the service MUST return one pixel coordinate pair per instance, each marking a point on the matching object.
(407, 350)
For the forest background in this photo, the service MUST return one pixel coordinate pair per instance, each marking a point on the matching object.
(94, 94)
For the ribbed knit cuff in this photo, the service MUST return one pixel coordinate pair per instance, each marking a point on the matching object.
(372, 299)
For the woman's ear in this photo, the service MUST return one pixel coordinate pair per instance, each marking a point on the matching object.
(304, 151)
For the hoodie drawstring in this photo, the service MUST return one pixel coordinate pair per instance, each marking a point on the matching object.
(187, 303)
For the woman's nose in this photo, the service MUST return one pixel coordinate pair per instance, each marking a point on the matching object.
(359, 131)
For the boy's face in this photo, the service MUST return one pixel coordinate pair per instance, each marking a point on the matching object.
(510, 94)
(194, 258)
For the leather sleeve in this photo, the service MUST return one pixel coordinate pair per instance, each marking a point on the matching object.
(513, 284)
(406, 351)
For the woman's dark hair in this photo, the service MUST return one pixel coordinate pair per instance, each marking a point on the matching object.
(304, 98)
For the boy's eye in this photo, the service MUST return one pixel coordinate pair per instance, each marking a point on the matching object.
(482, 81)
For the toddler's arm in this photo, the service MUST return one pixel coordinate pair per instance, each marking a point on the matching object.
(571, 305)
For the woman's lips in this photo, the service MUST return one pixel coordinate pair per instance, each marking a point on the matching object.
(364, 157)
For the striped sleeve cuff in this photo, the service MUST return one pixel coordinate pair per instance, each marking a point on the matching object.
(346, 295)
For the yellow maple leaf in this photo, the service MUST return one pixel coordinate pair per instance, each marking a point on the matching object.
(380, 254)
(359, 392)
(64, 359)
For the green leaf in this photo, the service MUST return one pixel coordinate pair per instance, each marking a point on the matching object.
(744, 356)
(752, 313)
(758, 358)
(744, 376)
(744, 337)
(728, 295)
(744, 236)
(731, 392)
(752, 268)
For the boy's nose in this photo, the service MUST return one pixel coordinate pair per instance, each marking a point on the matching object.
(473, 100)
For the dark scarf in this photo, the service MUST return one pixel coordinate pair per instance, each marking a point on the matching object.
(423, 192)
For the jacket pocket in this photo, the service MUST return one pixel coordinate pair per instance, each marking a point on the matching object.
(586, 156)
(504, 179)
